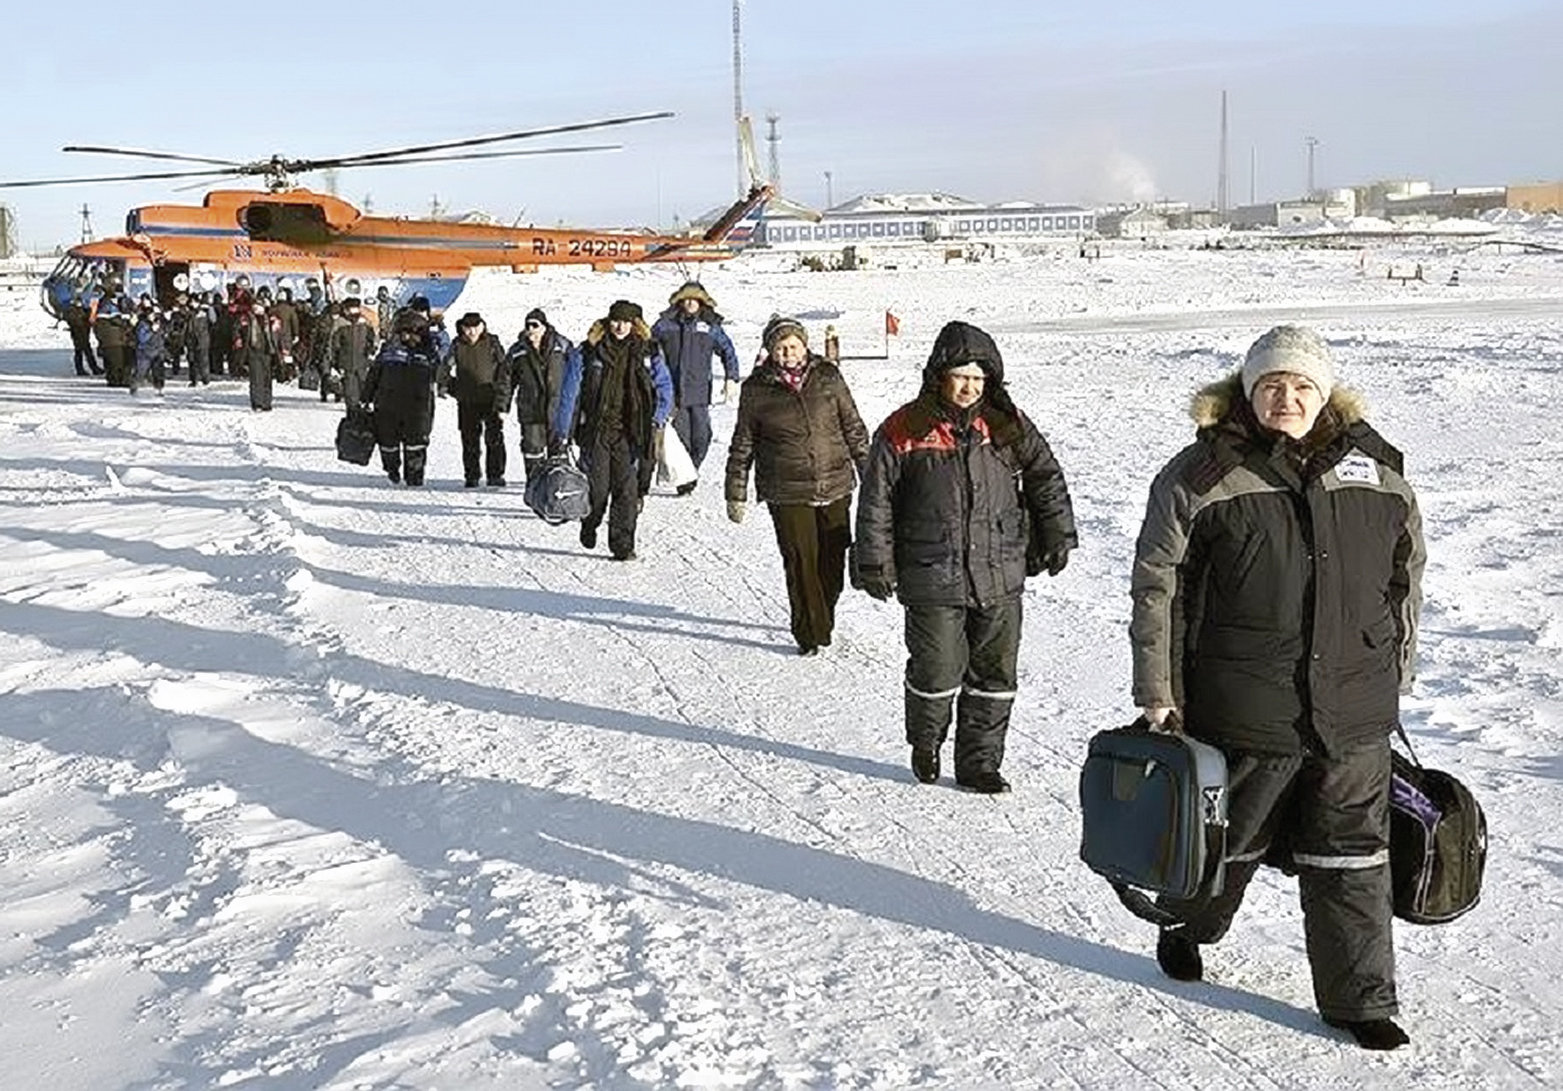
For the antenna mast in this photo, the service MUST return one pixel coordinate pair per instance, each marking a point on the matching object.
(738, 96)
(772, 139)
(1222, 194)
(86, 223)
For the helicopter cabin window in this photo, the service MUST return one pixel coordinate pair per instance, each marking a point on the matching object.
(269, 221)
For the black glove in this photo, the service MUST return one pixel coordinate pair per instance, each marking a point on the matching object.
(558, 448)
(1055, 559)
(875, 583)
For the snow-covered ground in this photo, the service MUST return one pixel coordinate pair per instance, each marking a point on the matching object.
(313, 782)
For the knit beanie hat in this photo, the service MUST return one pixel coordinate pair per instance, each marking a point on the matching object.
(624, 311)
(1294, 349)
(536, 314)
(781, 326)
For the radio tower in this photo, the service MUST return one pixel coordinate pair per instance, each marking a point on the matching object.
(86, 223)
(774, 150)
(1222, 194)
(738, 97)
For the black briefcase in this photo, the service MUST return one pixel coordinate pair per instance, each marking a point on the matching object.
(1153, 811)
(355, 440)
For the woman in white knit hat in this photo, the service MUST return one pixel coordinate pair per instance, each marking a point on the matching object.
(1276, 589)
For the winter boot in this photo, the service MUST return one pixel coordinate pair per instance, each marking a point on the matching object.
(1372, 1033)
(925, 764)
(1178, 956)
(986, 782)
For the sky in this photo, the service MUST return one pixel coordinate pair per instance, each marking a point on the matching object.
(1001, 100)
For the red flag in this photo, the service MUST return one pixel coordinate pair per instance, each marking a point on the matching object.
(892, 325)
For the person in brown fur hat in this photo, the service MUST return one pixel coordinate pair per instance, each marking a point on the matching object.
(1276, 590)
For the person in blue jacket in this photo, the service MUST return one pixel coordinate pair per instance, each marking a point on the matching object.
(617, 396)
(690, 333)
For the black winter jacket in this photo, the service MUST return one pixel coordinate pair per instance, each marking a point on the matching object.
(400, 382)
(537, 376)
(804, 445)
(941, 513)
(1276, 583)
(479, 373)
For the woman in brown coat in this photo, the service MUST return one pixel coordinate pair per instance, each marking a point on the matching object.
(799, 428)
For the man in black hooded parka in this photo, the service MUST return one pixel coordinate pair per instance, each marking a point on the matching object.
(959, 481)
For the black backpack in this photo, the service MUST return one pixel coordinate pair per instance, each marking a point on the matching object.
(1437, 842)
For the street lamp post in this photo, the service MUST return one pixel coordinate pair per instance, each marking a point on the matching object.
(829, 197)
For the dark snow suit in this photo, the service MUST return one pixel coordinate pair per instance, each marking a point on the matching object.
(688, 344)
(400, 386)
(348, 356)
(943, 517)
(623, 394)
(480, 383)
(1276, 590)
(537, 378)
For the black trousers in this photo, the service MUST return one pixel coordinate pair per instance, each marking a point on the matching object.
(613, 476)
(813, 543)
(965, 652)
(1331, 816)
(200, 362)
(81, 343)
(478, 421)
(259, 368)
(534, 447)
(117, 362)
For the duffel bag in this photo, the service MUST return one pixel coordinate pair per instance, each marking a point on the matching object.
(1437, 843)
(558, 492)
(355, 439)
(1153, 811)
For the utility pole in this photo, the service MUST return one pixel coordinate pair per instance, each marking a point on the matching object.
(738, 97)
(1312, 142)
(1221, 176)
(86, 223)
(1253, 172)
(830, 199)
(774, 149)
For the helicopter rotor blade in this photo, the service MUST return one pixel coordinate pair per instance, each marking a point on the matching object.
(491, 155)
(99, 150)
(301, 165)
(115, 178)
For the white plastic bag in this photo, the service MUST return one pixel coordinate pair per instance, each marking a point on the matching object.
(674, 466)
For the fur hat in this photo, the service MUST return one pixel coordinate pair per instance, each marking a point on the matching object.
(781, 326)
(536, 314)
(411, 322)
(471, 318)
(692, 290)
(1294, 349)
(623, 310)
(419, 302)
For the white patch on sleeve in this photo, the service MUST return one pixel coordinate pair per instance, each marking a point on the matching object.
(1358, 468)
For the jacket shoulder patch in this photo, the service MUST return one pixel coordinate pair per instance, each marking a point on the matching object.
(1357, 468)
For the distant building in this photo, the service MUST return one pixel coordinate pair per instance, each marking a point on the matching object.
(1462, 202)
(1535, 197)
(922, 218)
(1135, 223)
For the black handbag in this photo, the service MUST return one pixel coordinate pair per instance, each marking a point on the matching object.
(355, 438)
(1437, 841)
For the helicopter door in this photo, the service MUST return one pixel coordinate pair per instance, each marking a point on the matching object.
(168, 280)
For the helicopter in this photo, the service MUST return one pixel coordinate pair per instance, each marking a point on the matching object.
(288, 236)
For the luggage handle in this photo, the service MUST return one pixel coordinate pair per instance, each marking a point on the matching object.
(1401, 731)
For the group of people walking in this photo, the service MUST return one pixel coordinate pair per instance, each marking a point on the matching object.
(1275, 584)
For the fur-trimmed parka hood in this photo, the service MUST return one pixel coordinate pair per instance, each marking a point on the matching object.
(599, 330)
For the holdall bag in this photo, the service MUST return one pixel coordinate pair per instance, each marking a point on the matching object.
(355, 440)
(1153, 809)
(558, 492)
(1437, 842)
(308, 378)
